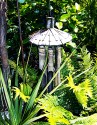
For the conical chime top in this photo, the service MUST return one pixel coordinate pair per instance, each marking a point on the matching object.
(50, 36)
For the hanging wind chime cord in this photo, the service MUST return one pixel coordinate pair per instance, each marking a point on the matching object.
(20, 32)
(49, 10)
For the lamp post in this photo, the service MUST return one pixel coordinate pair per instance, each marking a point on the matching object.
(52, 39)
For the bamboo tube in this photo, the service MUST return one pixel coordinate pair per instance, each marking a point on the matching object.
(42, 58)
(57, 64)
(50, 68)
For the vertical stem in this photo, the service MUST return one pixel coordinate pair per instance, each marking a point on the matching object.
(48, 5)
(20, 31)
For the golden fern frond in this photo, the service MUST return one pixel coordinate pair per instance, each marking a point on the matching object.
(81, 91)
(86, 86)
(82, 98)
(70, 82)
(55, 113)
(89, 120)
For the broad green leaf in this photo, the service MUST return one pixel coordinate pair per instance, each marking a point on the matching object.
(64, 17)
(59, 25)
(72, 25)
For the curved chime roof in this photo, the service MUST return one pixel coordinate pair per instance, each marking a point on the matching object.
(50, 37)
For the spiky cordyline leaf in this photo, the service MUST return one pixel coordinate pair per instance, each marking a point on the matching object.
(11, 109)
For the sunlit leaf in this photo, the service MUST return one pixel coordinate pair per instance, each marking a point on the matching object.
(59, 25)
(76, 29)
(64, 17)
(77, 6)
(20, 94)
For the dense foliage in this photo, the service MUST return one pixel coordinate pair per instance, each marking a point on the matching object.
(74, 100)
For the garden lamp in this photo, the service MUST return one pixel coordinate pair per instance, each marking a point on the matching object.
(50, 40)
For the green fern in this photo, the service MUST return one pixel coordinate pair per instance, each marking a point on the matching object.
(86, 57)
(55, 113)
(81, 91)
(89, 120)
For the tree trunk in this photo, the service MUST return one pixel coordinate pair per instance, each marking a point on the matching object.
(3, 51)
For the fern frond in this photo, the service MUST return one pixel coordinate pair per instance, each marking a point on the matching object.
(86, 57)
(89, 120)
(56, 113)
(70, 82)
(82, 98)
(81, 91)
(86, 86)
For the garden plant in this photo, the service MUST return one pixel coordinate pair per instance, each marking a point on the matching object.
(23, 100)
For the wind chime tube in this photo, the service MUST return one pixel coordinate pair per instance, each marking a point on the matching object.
(42, 58)
(58, 63)
(50, 68)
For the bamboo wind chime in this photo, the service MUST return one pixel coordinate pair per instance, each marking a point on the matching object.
(50, 41)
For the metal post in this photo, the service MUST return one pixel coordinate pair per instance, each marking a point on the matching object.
(57, 63)
(50, 68)
(42, 58)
